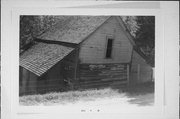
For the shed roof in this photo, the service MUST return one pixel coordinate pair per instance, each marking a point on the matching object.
(73, 29)
(41, 57)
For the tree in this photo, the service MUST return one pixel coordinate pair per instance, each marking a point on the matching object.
(32, 26)
(145, 35)
(26, 28)
(143, 30)
(131, 23)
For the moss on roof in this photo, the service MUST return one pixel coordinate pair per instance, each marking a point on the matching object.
(41, 57)
(73, 29)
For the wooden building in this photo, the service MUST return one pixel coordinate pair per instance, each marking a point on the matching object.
(83, 52)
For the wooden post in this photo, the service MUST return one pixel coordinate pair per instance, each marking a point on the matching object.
(76, 67)
(127, 74)
(138, 73)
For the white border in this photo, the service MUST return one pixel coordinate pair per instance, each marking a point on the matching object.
(10, 54)
(74, 11)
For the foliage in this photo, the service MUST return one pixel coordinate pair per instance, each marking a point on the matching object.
(32, 26)
(143, 30)
(26, 27)
(67, 97)
(145, 35)
(131, 23)
(141, 94)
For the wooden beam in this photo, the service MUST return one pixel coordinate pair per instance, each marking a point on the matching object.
(76, 66)
(138, 73)
(73, 45)
(127, 74)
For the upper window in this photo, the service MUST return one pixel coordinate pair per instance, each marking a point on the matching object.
(109, 48)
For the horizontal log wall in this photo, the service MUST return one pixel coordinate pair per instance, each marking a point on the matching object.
(102, 75)
(27, 82)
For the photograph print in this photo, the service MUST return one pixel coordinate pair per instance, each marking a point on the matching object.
(86, 59)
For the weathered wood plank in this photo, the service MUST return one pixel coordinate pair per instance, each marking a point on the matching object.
(102, 80)
(128, 75)
(103, 77)
(104, 71)
(102, 74)
(103, 84)
(102, 65)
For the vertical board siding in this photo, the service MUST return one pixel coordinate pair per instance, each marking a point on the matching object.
(52, 80)
(100, 75)
(60, 77)
(32, 83)
(140, 71)
(28, 82)
(70, 65)
(128, 71)
(24, 75)
(93, 49)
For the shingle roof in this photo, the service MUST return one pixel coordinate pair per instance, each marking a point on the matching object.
(41, 57)
(73, 29)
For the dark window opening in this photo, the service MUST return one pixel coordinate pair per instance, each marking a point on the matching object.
(109, 48)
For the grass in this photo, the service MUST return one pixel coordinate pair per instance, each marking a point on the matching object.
(67, 97)
(139, 94)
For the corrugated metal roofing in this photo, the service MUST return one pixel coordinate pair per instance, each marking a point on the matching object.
(41, 57)
(73, 29)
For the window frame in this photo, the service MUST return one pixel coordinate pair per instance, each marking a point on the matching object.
(106, 46)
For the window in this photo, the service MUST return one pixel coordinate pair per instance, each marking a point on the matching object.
(109, 48)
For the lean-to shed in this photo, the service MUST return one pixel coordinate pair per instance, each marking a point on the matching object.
(40, 63)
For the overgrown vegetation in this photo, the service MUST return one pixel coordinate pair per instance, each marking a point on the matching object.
(142, 94)
(67, 97)
(32, 26)
(143, 30)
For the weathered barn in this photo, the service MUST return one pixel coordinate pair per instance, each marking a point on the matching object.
(83, 52)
